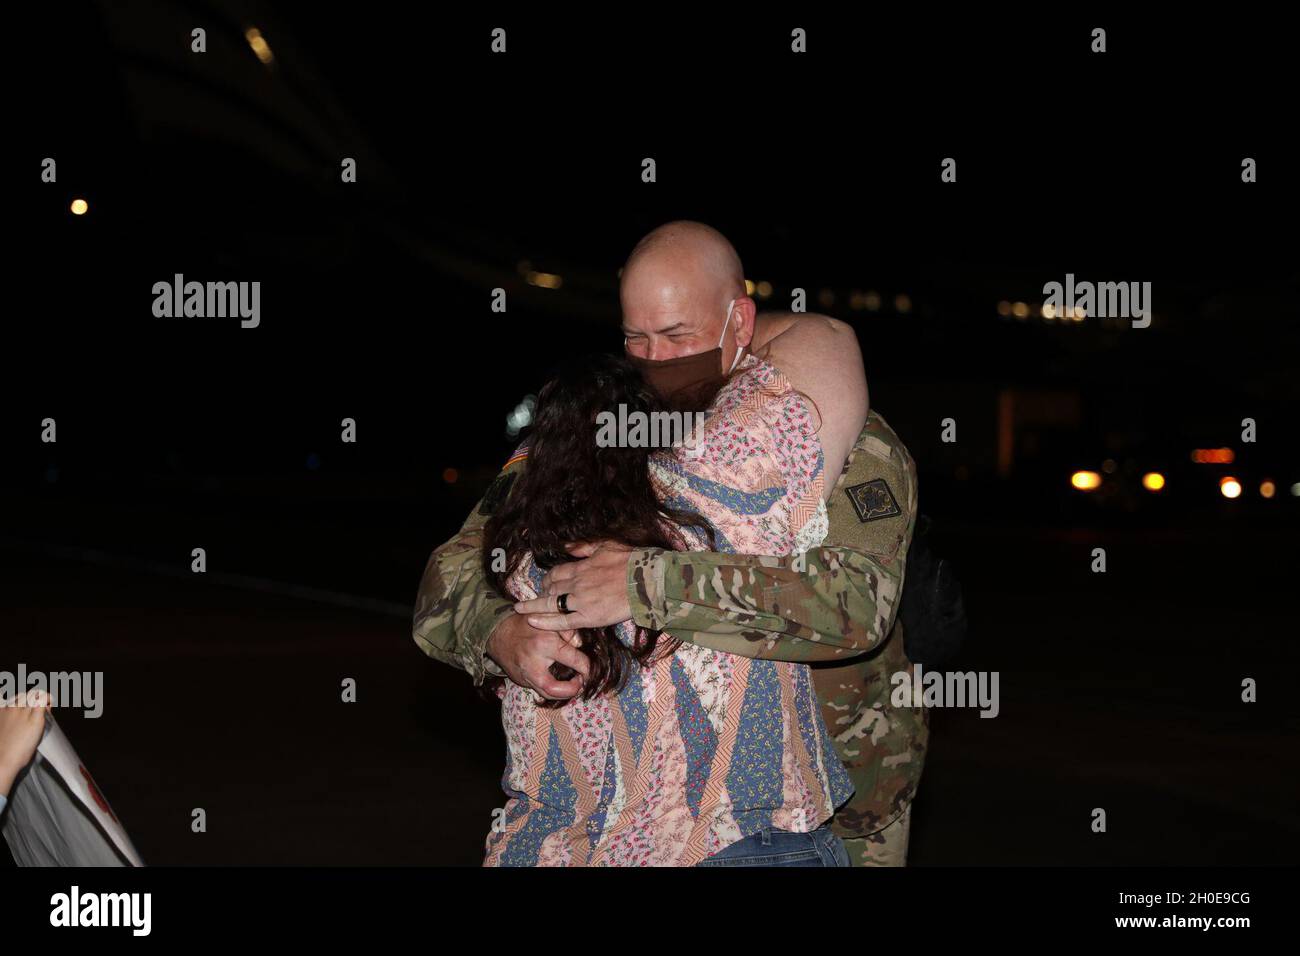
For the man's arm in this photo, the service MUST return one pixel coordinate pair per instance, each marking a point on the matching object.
(832, 603)
(842, 604)
(455, 609)
(462, 621)
(838, 601)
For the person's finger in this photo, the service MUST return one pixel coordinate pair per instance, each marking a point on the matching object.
(614, 546)
(573, 657)
(553, 689)
(553, 621)
(582, 549)
(560, 574)
(572, 637)
(538, 605)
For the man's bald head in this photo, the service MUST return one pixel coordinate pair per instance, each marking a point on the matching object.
(675, 288)
(687, 250)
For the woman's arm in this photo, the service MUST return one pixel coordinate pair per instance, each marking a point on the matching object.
(821, 357)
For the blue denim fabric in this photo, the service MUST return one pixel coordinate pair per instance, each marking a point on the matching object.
(773, 847)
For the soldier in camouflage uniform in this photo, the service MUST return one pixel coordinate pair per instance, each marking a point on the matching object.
(833, 607)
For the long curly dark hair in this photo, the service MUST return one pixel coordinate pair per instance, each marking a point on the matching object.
(575, 490)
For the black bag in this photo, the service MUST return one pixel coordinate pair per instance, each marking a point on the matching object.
(932, 610)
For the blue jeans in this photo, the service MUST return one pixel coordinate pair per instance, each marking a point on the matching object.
(773, 847)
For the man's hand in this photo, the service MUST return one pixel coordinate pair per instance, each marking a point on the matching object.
(596, 585)
(526, 653)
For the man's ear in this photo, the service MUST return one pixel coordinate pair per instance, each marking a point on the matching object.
(743, 315)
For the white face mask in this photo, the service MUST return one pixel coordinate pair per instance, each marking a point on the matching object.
(739, 350)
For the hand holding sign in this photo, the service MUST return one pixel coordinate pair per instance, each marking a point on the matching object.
(22, 722)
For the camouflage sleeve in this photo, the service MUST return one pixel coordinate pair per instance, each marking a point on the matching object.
(830, 603)
(839, 605)
(456, 610)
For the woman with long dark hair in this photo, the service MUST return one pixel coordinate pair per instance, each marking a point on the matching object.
(672, 752)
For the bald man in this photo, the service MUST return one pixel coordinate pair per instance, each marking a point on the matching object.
(687, 321)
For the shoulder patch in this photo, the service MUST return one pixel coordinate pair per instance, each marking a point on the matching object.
(873, 499)
(497, 492)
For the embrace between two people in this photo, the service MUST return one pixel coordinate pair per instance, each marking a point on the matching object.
(692, 652)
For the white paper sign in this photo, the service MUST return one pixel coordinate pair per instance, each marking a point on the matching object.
(58, 817)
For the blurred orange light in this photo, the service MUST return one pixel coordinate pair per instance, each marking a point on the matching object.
(1213, 456)
(1267, 489)
(1153, 481)
(1230, 487)
(79, 207)
(449, 475)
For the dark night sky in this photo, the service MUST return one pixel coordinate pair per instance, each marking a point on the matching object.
(823, 175)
